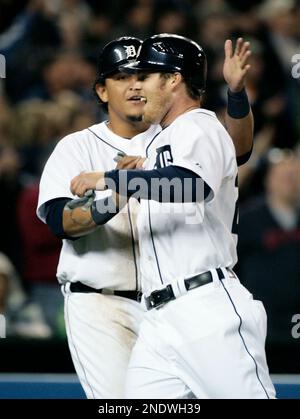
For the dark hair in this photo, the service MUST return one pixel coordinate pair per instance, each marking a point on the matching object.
(192, 91)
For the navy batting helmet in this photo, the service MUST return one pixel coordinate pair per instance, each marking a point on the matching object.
(166, 53)
(117, 53)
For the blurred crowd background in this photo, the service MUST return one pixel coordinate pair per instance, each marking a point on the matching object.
(51, 50)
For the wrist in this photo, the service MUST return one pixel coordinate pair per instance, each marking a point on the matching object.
(100, 181)
(238, 105)
(103, 210)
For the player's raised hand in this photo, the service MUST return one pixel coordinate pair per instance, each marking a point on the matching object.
(85, 181)
(236, 65)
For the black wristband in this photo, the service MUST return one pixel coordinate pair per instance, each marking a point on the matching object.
(103, 210)
(238, 105)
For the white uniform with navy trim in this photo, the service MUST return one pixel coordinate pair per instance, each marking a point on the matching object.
(101, 329)
(209, 341)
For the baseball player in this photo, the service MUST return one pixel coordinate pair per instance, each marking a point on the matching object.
(203, 335)
(99, 263)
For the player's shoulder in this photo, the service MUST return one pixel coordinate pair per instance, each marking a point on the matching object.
(205, 113)
(210, 122)
(203, 123)
(200, 117)
(203, 116)
(200, 120)
(78, 137)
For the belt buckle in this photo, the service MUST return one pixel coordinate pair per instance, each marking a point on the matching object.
(158, 298)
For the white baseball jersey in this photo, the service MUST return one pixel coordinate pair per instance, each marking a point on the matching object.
(209, 341)
(185, 239)
(106, 258)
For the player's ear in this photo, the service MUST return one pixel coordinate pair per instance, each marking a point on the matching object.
(176, 79)
(102, 92)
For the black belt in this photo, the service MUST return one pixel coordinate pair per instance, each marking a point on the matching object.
(163, 296)
(79, 287)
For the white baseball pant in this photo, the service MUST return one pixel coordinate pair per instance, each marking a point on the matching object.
(208, 343)
(101, 331)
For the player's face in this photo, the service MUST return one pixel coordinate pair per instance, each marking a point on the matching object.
(123, 97)
(156, 90)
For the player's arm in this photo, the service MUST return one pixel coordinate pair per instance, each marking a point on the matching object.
(238, 116)
(78, 223)
(139, 183)
(84, 219)
(67, 223)
(73, 218)
(83, 216)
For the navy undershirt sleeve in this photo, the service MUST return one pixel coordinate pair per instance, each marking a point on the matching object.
(54, 217)
(181, 184)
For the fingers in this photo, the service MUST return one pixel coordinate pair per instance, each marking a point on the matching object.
(242, 52)
(84, 182)
(128, 162)
(245, 59)
(228, 48)
(140, 163)
(244, 71)
(238, 46)
(78, 186)
(241, 47)
(73, 185)
(244, 49)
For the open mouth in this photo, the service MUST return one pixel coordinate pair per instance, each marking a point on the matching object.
(137, 99)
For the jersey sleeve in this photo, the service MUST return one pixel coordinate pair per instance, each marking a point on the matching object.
(200, 143)
(66, 162)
